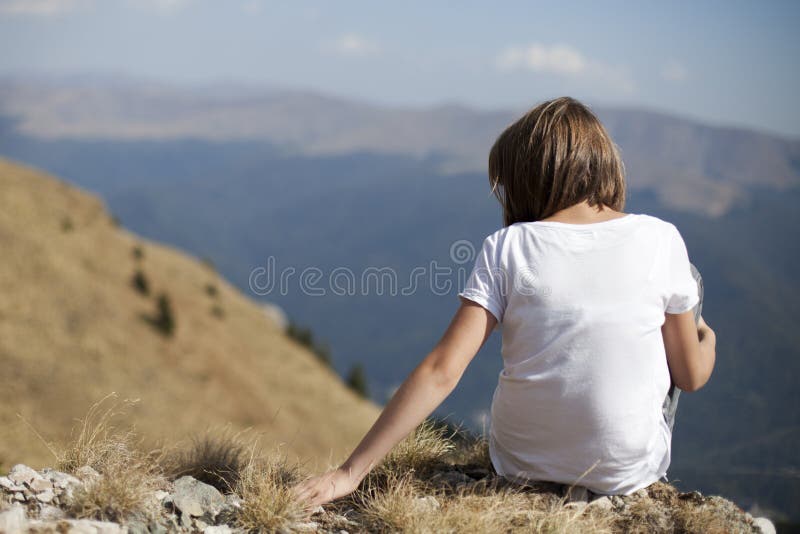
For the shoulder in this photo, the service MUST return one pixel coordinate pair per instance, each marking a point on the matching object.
(657, 224)
(498, 239)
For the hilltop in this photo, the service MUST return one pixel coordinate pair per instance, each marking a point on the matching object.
(76, 324)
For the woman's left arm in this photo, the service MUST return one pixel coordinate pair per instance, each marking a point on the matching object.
(430, 383)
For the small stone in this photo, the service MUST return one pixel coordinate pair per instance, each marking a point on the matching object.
(14, 520)
(51, 513)
(427, 503)
(765, 525)
(160, 495)
(199, 524)
(221, 529)
(19, 496)
(307, 526)
(40, 484)
(318, 510)
(63, 480)
(21, 474)
(87, 526)
(602, 503)
(46, 496)
(137, 527)
(10, 486)
(86, 472)
(196, 498)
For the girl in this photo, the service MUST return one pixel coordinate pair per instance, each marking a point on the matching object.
(598, 328)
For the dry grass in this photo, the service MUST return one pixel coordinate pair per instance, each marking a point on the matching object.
(268, 504)
(127, 477)
(406, 505)
(218, 457)
(426, 447)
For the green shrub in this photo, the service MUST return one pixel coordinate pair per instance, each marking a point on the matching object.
(66, 224)
(211, 290)
(138, 252)
(357, 380)
(140, 283)
(305, 337)
(164, 318)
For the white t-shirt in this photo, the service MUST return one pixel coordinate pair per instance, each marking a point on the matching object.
(585, 372)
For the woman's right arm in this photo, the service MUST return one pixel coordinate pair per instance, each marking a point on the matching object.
(691, 350)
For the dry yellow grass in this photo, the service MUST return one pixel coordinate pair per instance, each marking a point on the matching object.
(72, 331)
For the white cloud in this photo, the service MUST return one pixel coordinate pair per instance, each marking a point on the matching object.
(540, 58)
(565, 60)
(39, 7)
(674, 71)
(355, 45)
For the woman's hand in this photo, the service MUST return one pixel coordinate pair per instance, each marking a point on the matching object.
(324, 488)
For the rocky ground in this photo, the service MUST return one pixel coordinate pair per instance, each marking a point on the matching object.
(44, 502)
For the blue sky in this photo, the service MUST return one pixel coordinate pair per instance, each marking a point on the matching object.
(723, 62)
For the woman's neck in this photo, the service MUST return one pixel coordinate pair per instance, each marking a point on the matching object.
(583, 213)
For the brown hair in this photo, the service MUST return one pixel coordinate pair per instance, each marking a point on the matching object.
(556, 155)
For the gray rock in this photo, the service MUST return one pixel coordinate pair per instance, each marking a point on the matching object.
(79, 526)
(196, 499)
(602, 503)
(138, 527)
(63, 480)
(8, 485)
(22, 474)
(221, 529)
(13, 520)
(51, 513)
(40, 484)
(764, 524)
(19, 496)
(86, 473)
(46, 496)
(427, 503)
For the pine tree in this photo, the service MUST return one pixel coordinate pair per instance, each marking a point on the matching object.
(357, 380)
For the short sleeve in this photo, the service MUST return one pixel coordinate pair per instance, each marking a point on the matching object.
(485, 283)
(682, 292)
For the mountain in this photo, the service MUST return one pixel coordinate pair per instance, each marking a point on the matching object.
(74, 328)
(242, 201)
(691, 166)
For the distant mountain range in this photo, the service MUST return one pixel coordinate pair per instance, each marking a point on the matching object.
(242, 176)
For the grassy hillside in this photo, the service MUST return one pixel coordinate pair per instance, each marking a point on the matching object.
(73, 327)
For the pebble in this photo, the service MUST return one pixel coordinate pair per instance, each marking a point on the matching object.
(13, 520)
(40, 484)
(764, 524)
(602, 503)
(86, 472)
(46, 496)
(22, 474)
(10, 486)
(196, 498)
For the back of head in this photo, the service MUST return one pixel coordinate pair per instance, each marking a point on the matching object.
(556, 155)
